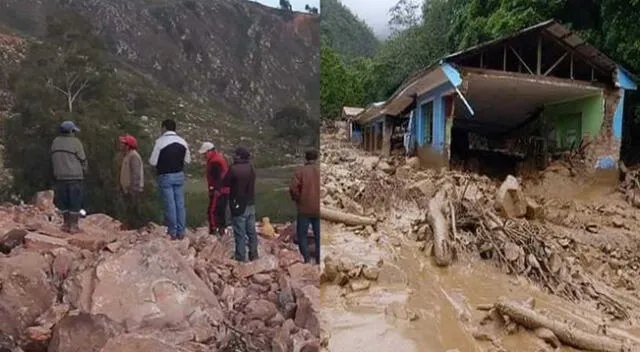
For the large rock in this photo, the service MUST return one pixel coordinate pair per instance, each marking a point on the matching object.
(264, 264)
(139, 343)
(25, 291)
(148, 285)
(308, 310)
(12, 239)
(83, 332)
(510, 200)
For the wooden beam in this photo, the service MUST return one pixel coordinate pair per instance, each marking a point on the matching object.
(504, 58)
(571, 67)
(539, 60)
(555, 64)
(521, 60)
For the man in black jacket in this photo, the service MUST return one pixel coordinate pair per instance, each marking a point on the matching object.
(241, 179)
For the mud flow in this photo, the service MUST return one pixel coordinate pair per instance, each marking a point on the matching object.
(460, 262)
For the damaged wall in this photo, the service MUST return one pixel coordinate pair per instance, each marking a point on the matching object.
(589, 110)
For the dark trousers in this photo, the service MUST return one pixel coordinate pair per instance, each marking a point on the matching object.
(217, 212)
(302, 230)
(133, 218)
(68, 196)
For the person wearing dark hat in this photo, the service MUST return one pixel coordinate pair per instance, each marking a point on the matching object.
(216, 169)
(131, 181)
(241, 180)
(69, 169)
(305, 192)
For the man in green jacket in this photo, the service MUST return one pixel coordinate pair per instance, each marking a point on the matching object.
(69, 168)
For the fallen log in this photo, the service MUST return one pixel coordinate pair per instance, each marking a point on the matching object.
(568, 335)
(440, 228)
(335, 215)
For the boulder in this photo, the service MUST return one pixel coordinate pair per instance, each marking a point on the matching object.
(510, 200)
(39, 242)
(94, 241)
(261, 310)
(83, 332)
(139, 343)
(426, 187)
(25, 291)
(534, 210)
(264, 264)
(12, 239)
(308, 308)
(150, 284)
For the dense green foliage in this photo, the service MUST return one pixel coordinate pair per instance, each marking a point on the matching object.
(446, 26)
(68, 77)
(344, 32)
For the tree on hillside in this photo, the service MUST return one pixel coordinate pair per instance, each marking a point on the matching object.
(344, 32)
(294, 124)
(286, 5)
(403, 15)
(70, 59)
(311, 9)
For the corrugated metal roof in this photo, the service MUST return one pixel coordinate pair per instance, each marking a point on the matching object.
(557, 31)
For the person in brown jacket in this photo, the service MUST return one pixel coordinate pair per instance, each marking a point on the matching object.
(131, 181)
(305, 192)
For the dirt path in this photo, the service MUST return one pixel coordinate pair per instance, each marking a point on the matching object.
(414, 305)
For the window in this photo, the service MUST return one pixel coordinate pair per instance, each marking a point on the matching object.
(427, 117)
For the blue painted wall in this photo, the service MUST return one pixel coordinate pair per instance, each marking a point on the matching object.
(617, 118)
(438, 131)
(626, 82)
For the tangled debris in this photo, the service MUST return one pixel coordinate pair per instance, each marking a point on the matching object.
(511, 314)
(113, 290)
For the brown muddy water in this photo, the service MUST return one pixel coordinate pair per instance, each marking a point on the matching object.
(415, 306)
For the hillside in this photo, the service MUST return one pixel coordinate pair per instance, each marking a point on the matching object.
(222, 67)
(344, 32)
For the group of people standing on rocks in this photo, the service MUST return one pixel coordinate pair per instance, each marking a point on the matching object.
(230, 187)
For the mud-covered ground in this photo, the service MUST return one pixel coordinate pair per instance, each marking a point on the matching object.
(569, 246)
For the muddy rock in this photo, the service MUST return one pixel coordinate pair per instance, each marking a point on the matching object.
(25, 291)
(265, 264)
(39, 242)
(307, 312)
(83, 332)
(371, 273)
(359, 285)
(510, 200)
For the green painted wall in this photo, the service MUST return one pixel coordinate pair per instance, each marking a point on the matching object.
(584, 115)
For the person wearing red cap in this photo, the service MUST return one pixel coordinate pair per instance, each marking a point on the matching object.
(131, 181)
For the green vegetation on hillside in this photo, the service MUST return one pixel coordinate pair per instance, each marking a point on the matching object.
(344, 32)
(446, 26)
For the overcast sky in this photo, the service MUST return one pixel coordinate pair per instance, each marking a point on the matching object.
(374, 12)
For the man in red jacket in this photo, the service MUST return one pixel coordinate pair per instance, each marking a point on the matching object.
(216, 169)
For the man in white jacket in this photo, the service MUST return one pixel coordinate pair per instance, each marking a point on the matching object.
(169, 156)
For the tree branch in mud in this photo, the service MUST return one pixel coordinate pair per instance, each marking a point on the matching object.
(567, 334)
(440, 227)
(338, 216)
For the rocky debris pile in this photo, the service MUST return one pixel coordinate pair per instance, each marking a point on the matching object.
(506, 229)
(348, 275)
(112, 290)
(474, 216)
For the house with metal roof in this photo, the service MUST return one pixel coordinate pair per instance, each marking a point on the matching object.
(538, 93)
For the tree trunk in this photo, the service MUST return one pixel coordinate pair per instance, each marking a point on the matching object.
(568, 335)
(339, 216)
(440, 228)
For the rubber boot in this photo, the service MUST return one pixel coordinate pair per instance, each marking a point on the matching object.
(74, 218)
(65, 222)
